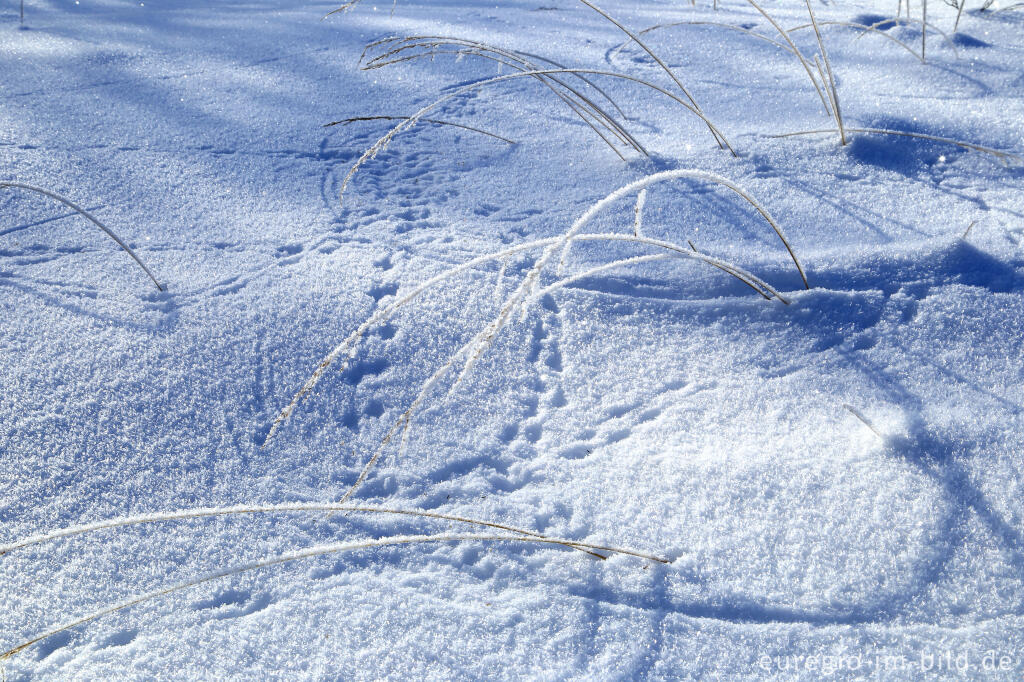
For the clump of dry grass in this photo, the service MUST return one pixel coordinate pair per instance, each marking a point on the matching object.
(634, 37)
(833, 93)
(396, 50)
(529, 290)
(88, 216)
(664, 67)
(384, 141)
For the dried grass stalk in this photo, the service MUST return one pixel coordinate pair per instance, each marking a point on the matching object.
(88, 216)
(551, 245)
(864, 27)
(837, 113)
(354, 119)
(319, 550)
(384, 141)
(1004, 157)
(396, 50)
(657, 59)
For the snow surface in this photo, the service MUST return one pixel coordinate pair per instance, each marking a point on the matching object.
(662, 407)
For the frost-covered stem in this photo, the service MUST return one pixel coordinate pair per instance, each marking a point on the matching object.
(638, 212)
(501, 278)
(656, 58)
(1003, 157)
(673, 175)
(959, 11)
(831, 78)
(354, 119)
(924, 24)
(636, 260)
(571, 279)
(475, 347)
(383, 142)
(752, 281)
(319, 550)
(88, 216)
(736, 272)
(831, 97)
(857, 413)
(348, 5)
(796, 51)
(237, 510)
(865, 28)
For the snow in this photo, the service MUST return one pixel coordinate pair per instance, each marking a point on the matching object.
(835, 483)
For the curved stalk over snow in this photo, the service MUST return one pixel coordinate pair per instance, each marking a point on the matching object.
(864, 27)
(475, 347)
(356, 119)
(1004, 157)
(517, 298)
(349, 346)
(88, 216)
(580, 104)
(383, 142)
(636, 260)
(664, 67)
(752, 281)
(796, 52)
(693, 174)
(238, 510)
(717, 24)
(319, 550)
